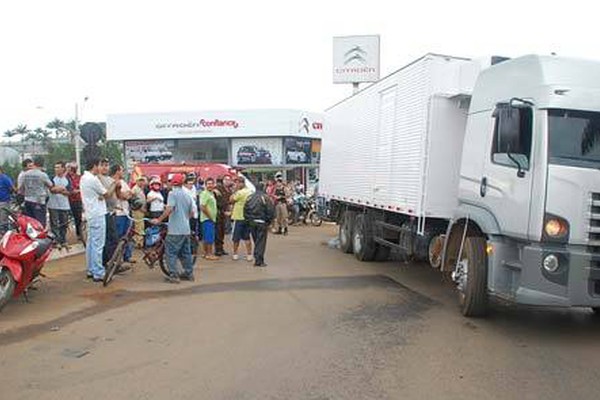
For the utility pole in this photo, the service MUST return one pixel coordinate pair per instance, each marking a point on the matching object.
(77, 137)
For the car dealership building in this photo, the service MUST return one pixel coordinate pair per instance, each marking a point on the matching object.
(261, 142)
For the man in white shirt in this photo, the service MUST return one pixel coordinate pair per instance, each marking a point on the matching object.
(93, 195)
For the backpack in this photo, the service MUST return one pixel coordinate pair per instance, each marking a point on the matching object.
(152, 235)
(259, 206)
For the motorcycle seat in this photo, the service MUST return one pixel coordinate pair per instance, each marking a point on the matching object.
(43, 245)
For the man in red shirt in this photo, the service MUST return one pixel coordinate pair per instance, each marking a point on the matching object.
(75, 196)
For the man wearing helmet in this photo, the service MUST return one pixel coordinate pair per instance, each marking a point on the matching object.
(155, 198)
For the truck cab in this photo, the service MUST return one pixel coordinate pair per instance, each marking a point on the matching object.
(527, 225)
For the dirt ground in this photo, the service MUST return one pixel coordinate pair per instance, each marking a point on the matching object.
(315, 324)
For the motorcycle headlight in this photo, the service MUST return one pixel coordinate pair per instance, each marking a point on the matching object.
(31, 232)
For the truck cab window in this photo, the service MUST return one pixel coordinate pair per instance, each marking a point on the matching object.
(512, 136)
(574, 137)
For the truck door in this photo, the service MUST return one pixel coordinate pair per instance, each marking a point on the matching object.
(383, 146)
(507, 176)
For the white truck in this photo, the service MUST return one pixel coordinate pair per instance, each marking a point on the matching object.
(488, 172)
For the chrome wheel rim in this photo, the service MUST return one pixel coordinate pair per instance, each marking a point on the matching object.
(4, 282)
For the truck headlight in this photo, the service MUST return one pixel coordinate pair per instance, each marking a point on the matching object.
(556, 229)
(550, 263)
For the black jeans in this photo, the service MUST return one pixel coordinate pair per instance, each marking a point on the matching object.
(36, 211)
(112, 238)
(77, 210)
(58, 223)
(220, 230)
(259, 232)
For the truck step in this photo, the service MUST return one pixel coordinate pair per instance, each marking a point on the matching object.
(389, 244)
(513, 264)
(389, 227)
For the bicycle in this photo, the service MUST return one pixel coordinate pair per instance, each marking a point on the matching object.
(152, 254)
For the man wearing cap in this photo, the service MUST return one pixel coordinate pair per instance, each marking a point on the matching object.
(179, 210)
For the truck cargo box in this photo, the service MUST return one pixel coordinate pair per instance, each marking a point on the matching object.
(396, 145)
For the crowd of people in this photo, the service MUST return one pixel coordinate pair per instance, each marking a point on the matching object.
(208, 209)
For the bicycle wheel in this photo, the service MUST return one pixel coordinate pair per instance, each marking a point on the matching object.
(114, 263)
(162, 260)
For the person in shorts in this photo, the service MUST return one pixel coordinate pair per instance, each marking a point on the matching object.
(208, 218)
(241, 230)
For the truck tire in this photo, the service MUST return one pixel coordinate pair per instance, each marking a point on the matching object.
(364, 247)
(345, 233)
(472, 291)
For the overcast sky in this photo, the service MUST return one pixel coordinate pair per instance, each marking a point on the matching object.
(145, 56)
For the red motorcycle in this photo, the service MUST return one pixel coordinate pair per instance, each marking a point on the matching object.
(24, 249)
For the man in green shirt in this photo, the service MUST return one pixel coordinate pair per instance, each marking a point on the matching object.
(208, 217)
(241, 231)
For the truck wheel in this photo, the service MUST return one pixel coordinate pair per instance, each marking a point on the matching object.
(345, 233)
(470, 276)
(362, 239)
(382, 253)
(7, 286)
(596, 311)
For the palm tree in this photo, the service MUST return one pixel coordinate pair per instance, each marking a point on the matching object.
(9, 133)
(21, 130)
(58, 127)
(42, 136)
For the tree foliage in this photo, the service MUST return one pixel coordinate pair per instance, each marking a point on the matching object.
(11, 170)
(55, 142)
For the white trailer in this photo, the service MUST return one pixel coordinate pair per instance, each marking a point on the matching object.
(397, 144)
(396, 147)
(489, 172)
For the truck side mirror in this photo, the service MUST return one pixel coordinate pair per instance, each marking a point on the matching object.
(512, 135)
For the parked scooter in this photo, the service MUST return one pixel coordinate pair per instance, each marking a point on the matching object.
(24, 249)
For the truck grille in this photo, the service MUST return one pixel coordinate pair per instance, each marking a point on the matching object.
(593, 244)
(594, 227)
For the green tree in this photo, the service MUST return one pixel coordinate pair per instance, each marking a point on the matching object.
(11, 170)
(58, 127)
(60, 152)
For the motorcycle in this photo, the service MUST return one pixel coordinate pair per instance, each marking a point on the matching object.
(312, 215)
(24, 249)
(305, 211)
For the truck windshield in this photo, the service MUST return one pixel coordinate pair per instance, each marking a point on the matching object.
(574, 137)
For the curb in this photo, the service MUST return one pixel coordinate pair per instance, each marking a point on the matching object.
(74, 250)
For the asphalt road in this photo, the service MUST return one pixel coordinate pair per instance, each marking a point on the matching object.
(315, 324)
